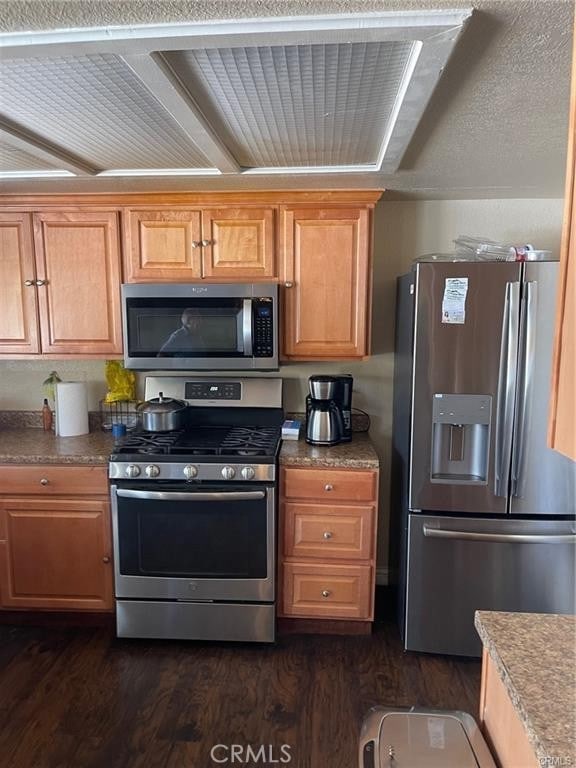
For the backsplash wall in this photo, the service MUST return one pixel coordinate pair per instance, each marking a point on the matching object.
(403, 230)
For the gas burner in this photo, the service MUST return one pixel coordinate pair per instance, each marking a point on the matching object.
(149, 442)
(249, 441)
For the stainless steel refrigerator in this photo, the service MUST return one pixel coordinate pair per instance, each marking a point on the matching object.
(483, 512)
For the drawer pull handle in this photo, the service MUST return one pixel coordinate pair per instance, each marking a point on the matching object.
(328, 487)
(327, 535)
(105, 559)
(326, 593)
(44, 481)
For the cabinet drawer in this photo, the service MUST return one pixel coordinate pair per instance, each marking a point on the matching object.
(328, 532)
(329, 485)
(330, 591)
(50, 479)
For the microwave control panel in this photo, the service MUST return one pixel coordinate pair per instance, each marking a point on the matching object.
(263, 345)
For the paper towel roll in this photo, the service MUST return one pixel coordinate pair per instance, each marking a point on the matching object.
(71, 409)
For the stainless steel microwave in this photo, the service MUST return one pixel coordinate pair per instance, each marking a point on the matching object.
(194, 326)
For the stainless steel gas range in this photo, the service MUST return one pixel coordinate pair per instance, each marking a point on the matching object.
(194, 514)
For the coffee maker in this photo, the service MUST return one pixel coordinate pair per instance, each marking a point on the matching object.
(329, 409)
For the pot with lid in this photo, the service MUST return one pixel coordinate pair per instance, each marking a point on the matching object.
(162, 414)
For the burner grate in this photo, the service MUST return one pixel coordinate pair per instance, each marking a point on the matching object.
(228, 441)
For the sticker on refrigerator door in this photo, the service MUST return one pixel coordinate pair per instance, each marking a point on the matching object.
(454, 300)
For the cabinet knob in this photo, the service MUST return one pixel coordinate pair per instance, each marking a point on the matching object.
(28, 282)
(106, 559)
(327, 535)
(195, 244)
(205, 243)
(326, 593)
(328, 487)
(288, 284)
(40, 282)
(44, 481)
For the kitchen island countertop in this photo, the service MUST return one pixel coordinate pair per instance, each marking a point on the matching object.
(535, 657)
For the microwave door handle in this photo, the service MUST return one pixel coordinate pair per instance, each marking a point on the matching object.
(247, 326)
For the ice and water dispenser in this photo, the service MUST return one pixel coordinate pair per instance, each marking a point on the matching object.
(460, 438)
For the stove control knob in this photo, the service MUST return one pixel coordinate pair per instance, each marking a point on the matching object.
(132, 470)
(190, 471)
(152, 470)
(228, 473)
(248, 473)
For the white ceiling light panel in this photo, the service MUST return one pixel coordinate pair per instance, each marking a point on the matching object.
(309, 105)
(14, 160)
(96, 108)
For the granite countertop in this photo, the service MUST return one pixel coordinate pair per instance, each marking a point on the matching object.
(357, 454)
(29, 445)
(535, 656)
(34, 446)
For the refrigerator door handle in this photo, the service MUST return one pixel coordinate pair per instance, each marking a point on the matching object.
(506, 388)
(503, 538)
(526, 363)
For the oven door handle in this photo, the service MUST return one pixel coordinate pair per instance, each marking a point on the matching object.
(128, 493)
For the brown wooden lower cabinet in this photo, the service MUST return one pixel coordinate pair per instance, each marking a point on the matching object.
(501, 723)
(55, 549)
(327, 543)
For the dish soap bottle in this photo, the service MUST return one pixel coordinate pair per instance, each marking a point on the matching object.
(46, 416)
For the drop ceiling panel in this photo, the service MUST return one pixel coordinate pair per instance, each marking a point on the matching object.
(95, 107)
(13, 160)
(305, 105)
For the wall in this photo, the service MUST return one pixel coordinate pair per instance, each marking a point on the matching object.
(403, 230)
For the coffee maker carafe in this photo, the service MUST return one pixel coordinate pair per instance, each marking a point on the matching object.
(328, 409)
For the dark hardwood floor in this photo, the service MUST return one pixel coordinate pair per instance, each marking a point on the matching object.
(80, 698)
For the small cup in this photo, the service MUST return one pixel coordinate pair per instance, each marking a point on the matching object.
(118, 430)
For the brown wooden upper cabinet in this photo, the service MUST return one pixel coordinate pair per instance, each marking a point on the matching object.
(170, 245)
(562, 433)
(326, 260)
(60, 283)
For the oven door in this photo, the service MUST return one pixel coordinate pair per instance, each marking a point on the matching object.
(204, 543)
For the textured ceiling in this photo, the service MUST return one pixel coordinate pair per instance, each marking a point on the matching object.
(495, 127)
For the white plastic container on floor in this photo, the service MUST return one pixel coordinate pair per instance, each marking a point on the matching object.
(421, 738)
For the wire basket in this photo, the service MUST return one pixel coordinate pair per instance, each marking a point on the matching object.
(121, 412)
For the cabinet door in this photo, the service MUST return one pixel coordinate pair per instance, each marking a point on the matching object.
(18, 310)
(162, 246)
(328, 591)
(239, 243)
(562, 427)
(57, 554)
(327, 261)
(78, 270)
